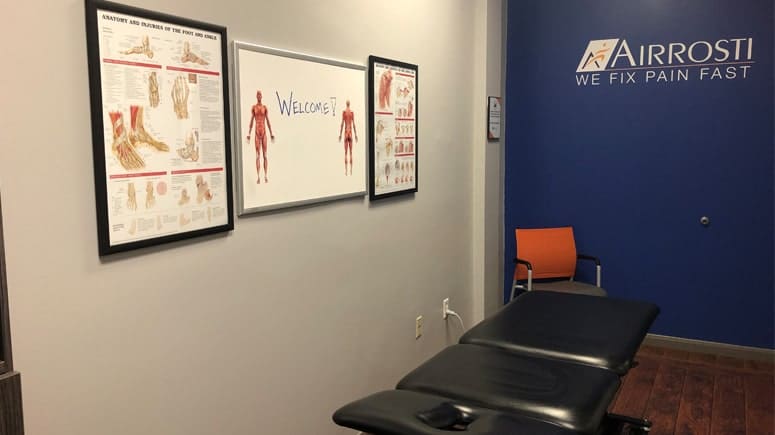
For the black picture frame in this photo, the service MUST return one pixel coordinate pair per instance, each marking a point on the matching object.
(218, 208)
(393, 128)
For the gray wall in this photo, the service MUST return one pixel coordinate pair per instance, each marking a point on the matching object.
(270, 328)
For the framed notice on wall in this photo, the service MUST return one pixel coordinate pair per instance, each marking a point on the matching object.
(493, 118)
(393, 119)
(298, 122)
(160, 126)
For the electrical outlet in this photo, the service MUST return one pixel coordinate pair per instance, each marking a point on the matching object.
(445, 307)
(418, 327)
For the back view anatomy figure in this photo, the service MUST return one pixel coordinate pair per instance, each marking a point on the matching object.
(348, 124)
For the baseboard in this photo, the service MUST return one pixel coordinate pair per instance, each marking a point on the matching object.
(744, 352)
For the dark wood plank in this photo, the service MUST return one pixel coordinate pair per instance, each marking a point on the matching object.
(760, 366)
(651, 350)
(760, 404)
(676, 354)
(696, 404)
(728, 362)
(702, 358)
(665, 398)
(634, 394)
(728, 414)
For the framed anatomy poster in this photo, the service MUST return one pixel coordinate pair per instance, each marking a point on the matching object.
(160, 126)
(298, 122)
(393, 136)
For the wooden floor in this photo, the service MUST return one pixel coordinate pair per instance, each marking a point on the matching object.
(685, 393)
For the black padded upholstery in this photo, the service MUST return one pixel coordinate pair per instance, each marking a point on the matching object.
(567, 286)
(400, 412)
(573, 396)
(602, 332)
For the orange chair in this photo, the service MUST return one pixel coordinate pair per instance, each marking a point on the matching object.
(546, 260)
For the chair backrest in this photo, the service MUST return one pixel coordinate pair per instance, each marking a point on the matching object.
(551, 252)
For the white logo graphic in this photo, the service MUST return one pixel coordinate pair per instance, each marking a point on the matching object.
(597, 55)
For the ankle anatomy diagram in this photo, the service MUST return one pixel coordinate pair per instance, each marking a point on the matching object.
(164, 139)
(126, 141)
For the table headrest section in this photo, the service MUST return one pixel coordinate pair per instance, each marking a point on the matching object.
(573, 396)
(400, 412)
(602, 332)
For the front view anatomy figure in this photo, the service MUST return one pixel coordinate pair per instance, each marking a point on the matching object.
(348, 123)
(259, 114)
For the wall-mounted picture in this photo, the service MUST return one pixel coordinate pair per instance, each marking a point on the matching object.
(160, 126)
(300, 122)
(393, 165)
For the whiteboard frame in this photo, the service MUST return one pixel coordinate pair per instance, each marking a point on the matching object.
(237, 123)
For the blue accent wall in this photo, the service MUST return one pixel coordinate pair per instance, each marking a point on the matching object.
(634, 166)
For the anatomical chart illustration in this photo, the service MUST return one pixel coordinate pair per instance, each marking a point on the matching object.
(165, 138)
(395, 122)
(350, 131)
(298, 122)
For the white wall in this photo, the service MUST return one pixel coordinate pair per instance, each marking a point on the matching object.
(272, 327)
(487, 160)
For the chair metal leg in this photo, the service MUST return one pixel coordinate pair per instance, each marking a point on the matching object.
(598, 275)
(628, 425)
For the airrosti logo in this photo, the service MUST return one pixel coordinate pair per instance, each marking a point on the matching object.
(616, 61)
(597, 55)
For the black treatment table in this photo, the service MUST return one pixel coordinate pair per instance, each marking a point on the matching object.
(546, 362)
(573, 396)
(601, 332)
(398, 412)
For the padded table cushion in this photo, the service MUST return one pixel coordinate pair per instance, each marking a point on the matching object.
(602, 332)
(567, 286)
(573, 396)
(400, 412)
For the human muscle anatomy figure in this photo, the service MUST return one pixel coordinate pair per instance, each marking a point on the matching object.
(387, 173)
(384, 89)
(348, 124)
(153, 90)
(188, 56)
(260, 115)
(144, 48)
(180, 97)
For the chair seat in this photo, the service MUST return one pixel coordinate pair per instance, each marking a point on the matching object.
(603, 332)
(567, 286)
(573, 396)
(401, 412)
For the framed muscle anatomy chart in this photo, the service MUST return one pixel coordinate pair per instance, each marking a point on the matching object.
(299, 121)
(393, 135)
(160, 123)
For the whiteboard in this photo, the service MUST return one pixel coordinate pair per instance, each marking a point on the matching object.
(304, 98)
